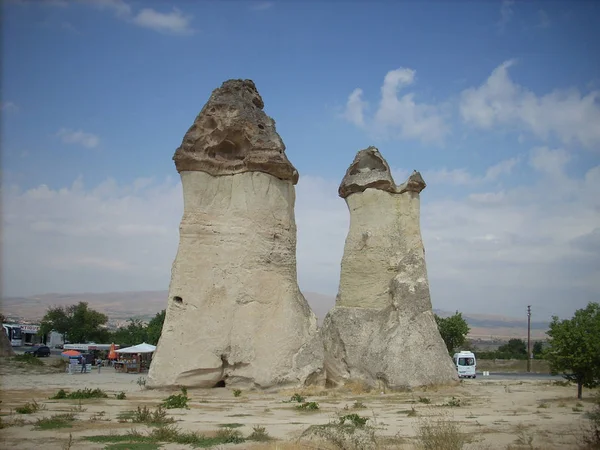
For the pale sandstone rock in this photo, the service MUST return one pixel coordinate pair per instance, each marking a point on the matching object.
(235, 313)
(382, 330)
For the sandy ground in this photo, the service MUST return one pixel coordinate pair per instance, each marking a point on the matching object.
(495, 414)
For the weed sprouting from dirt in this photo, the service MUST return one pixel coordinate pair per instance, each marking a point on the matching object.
(121, 396)
(146, 415)
(259, 434)
(237, 392)
(29, 408)
(297, 398)
(177, 400)
(80, 394)
(55, 421)
(308, 406)
(439, 434)
(424, 400)
(29, 359)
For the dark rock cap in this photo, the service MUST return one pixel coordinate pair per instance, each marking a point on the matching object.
(232, 134)
(370, 170)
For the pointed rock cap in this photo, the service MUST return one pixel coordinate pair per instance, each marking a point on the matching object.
(370, 170)
(232, 134)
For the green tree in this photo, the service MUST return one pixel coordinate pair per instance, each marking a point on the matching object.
(155, 327)
(78, 323)
(574, 347)
(454, 330)
(134, 333)
(137, 332)
(538, 350)
(513, 349)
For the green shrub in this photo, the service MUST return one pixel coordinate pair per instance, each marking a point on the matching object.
(80, 394)
(29, 408)
(29, 359)
(55, 421)
(424, 400)
(259, 434)
(297, 398)
(354, 419)
(237, 392)
(439, 434)
(177, 400)
(121, 396)
(308, 406)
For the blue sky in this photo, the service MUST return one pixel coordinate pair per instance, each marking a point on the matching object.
(496, 103)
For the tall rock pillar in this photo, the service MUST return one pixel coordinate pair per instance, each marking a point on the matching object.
(382, 328)
(235, 315)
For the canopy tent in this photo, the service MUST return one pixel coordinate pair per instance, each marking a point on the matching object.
(71, 354)
(140, 348)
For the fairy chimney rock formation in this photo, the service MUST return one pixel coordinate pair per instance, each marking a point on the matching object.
(382, 329)
(235, 314)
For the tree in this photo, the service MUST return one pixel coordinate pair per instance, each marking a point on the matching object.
(454, 330)
(513, 349)
(77, 323)
(137, 332)
(538, 349)
(155, 327)
(574, 347)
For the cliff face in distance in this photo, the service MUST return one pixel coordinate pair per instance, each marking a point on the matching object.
(235, 314)
(382, 328)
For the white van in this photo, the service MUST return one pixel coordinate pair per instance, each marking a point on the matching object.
(465, 363)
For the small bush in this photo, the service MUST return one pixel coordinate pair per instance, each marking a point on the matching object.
(177, 400)
(121, 396)
(354, 419)
(358, 405)
(141, 382)
(259, 434)
(148, 416)
(453, 403)
(308, 406)
(28, 359)
(80, 394)
(29, 408)
(237, 392)
(591, 433)
(55, 421)
(440, 434)
(297, 398)
(424, 400)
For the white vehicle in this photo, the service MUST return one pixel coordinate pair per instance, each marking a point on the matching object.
(465, 363)
(13, 332)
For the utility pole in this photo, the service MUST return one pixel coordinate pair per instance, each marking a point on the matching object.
(529, 338)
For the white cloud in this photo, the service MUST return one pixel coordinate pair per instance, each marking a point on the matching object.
(68, 136)
(506, 13)
(174, 22)
(8, 106)
(355, 107)
(398, 117)
(262, 6)
(462, 177)
(119, 7)
(566, 114)
(487, 250)
(544, 19)
(548, 161)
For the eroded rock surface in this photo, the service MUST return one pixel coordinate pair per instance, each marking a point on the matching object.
(232, 134)
(235, 314)
(382, 329)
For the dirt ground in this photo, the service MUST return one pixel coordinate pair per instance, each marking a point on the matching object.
(493, 414)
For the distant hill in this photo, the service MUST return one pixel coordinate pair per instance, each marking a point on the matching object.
(145, 304)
